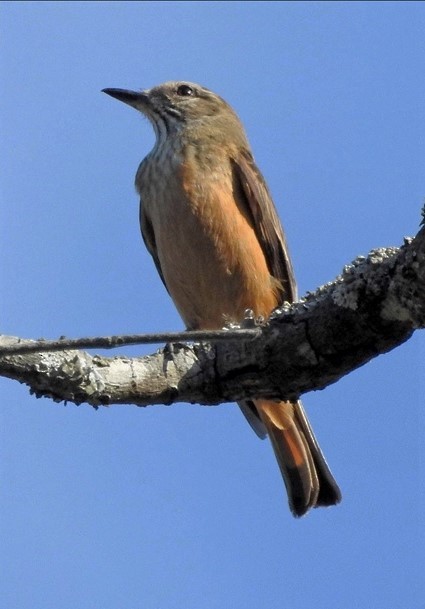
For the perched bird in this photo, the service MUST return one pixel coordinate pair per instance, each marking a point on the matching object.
(209, 222)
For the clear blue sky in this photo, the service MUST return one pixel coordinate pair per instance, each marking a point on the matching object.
(183, 507)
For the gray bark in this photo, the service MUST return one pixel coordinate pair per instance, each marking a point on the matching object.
(372, 307)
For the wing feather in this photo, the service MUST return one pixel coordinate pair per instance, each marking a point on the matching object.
(149, 240)
(265, 220)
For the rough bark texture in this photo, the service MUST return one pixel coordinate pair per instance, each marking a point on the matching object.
(374, 306)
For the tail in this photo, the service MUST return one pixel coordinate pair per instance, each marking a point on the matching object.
(308, 479)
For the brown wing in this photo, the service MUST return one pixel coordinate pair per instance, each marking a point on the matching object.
(149, 240)
(249, 182)
(260, 207)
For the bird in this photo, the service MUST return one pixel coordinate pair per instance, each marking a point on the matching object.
(209, 222)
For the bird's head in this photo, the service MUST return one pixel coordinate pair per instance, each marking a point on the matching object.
(177, 106)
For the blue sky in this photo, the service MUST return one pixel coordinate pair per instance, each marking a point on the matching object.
(183, 506)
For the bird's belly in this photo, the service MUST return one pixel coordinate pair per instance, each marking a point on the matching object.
(212, 263)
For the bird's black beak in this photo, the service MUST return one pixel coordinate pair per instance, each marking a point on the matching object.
(135, 99)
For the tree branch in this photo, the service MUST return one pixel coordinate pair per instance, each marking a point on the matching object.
(112, 342)
(374, 306)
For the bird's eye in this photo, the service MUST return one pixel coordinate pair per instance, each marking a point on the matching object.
(185, 91)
